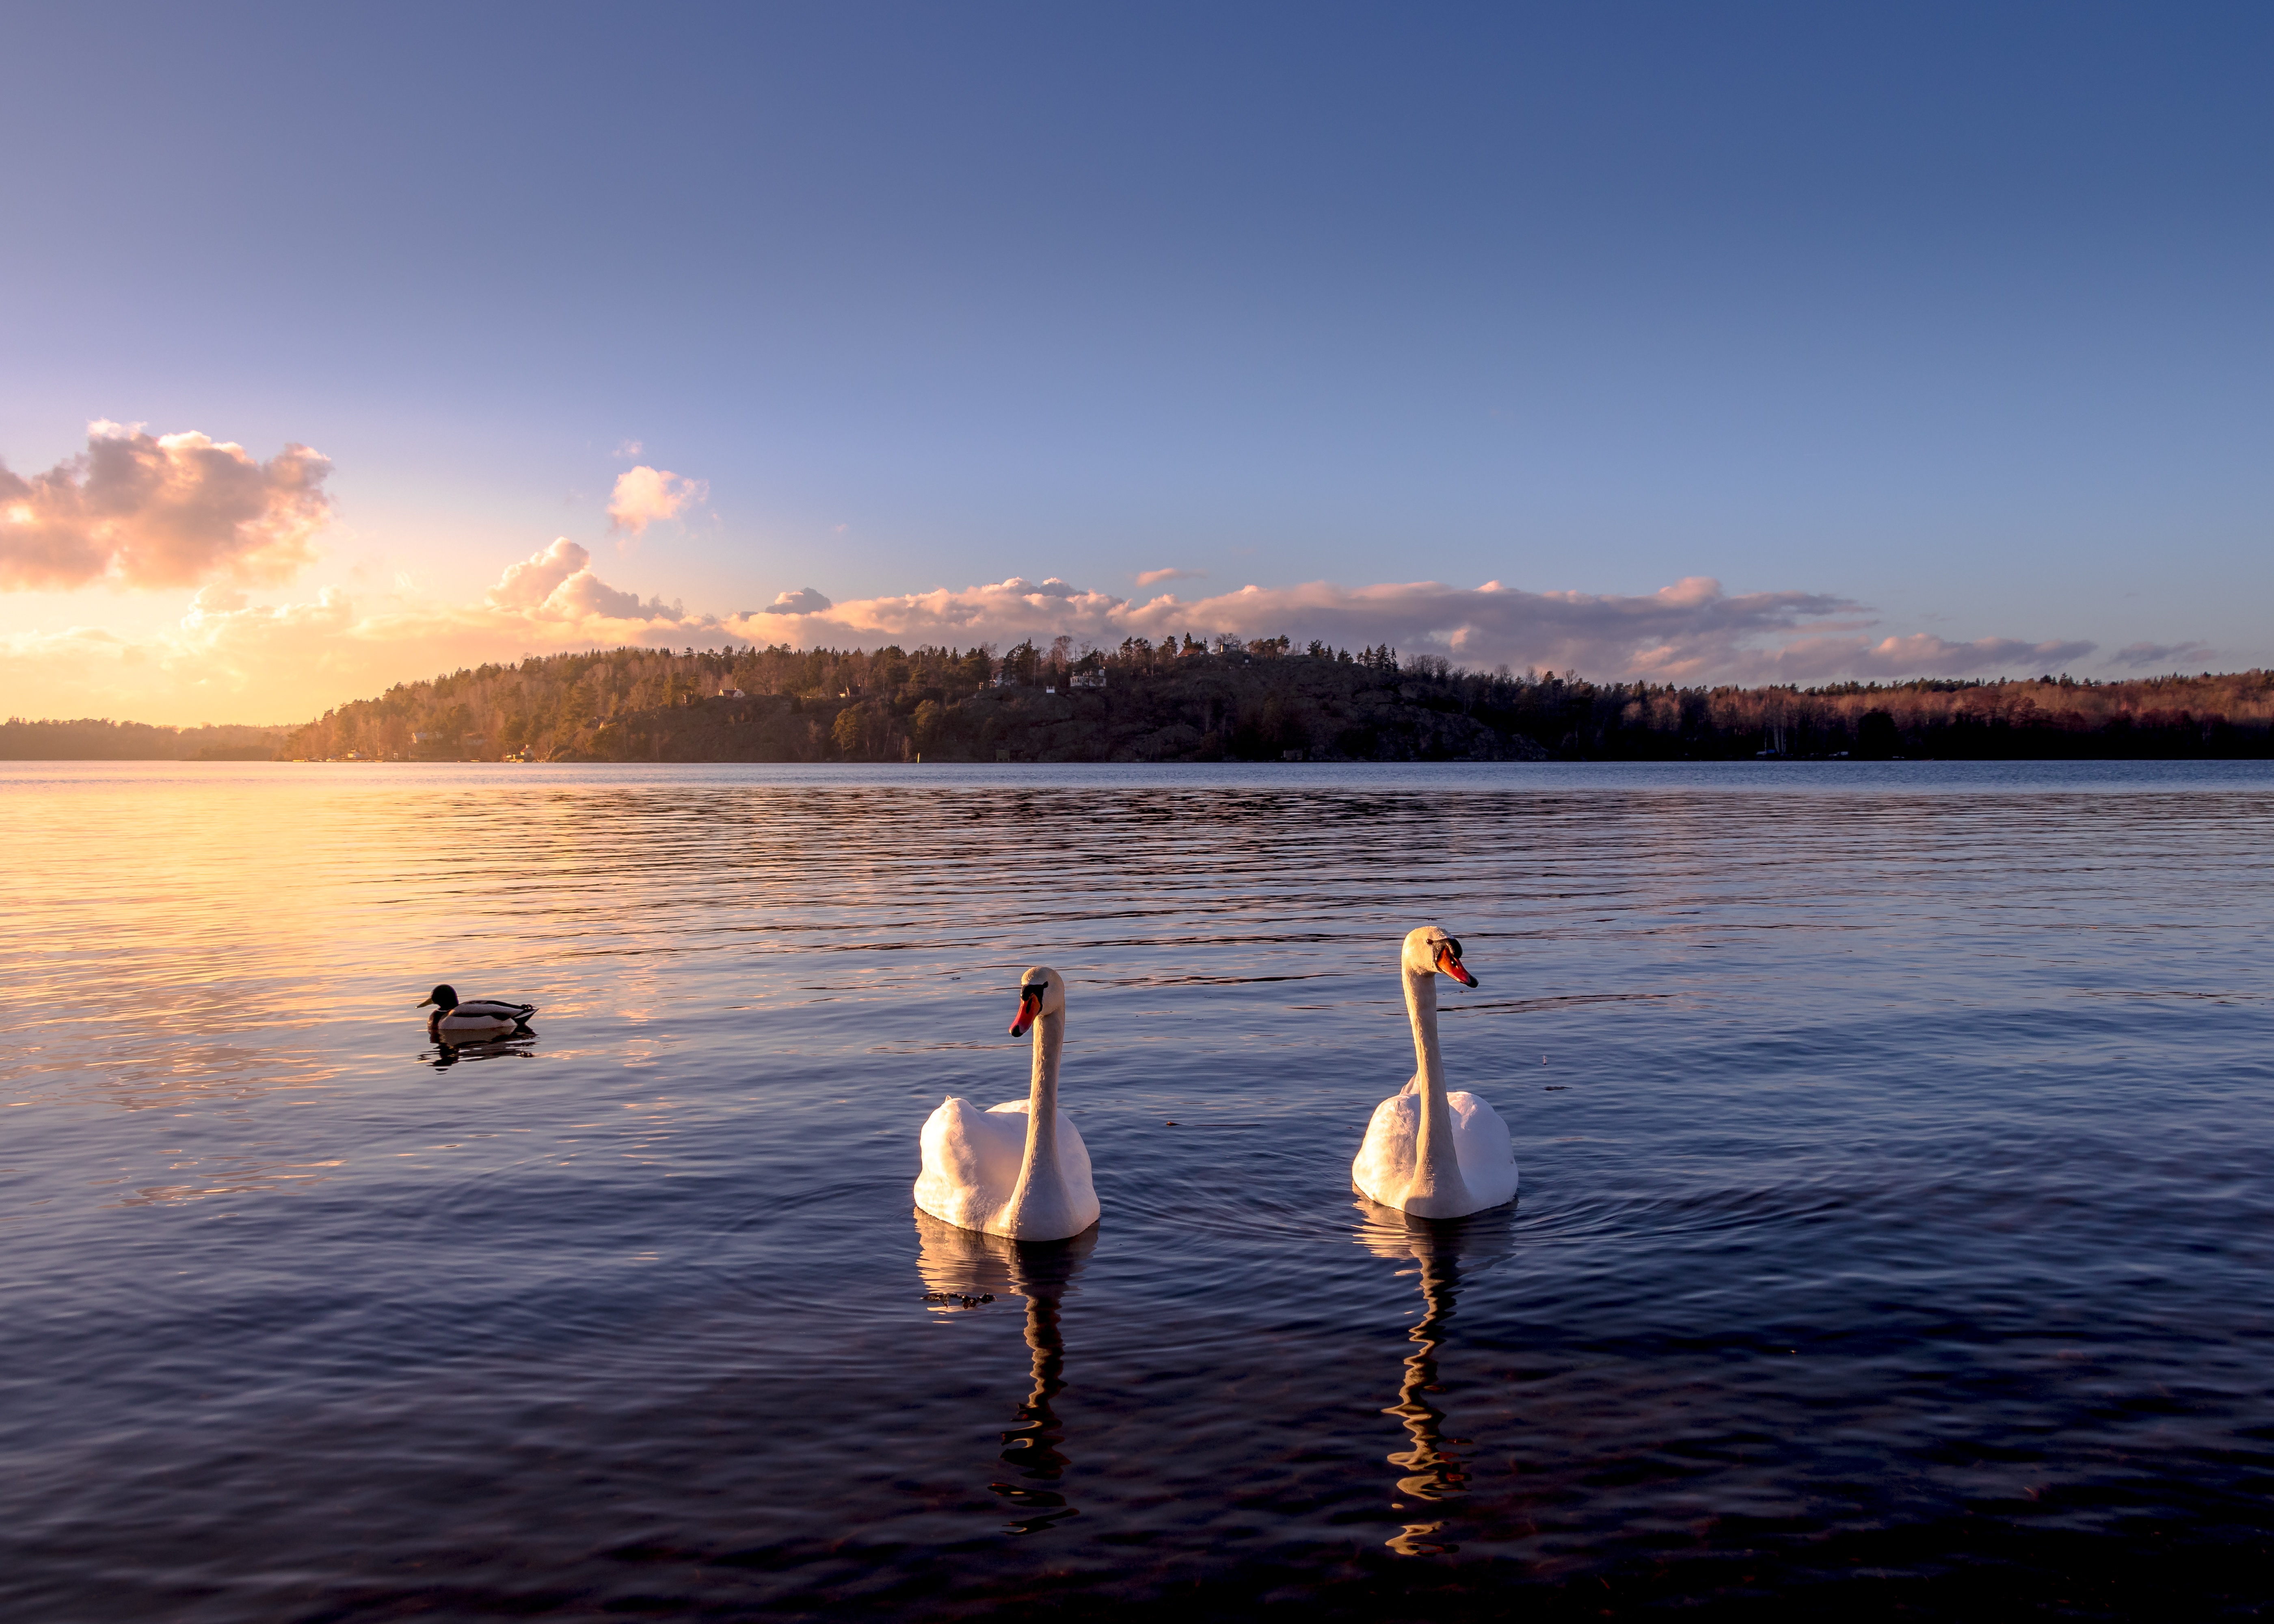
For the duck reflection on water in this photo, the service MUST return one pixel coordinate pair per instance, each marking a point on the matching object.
(1448, 1249)
(961, 1265)
(518, 1045)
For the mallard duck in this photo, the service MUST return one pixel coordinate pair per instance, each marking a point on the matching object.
(454, 1021)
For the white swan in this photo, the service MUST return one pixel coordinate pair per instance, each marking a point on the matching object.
(457, 1020)
(1020, 1170)
(1429, 1152)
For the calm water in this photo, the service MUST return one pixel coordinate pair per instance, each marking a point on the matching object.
(1895, 1228)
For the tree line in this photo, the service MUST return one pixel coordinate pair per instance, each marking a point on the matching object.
(1193, 699)
(92, 740)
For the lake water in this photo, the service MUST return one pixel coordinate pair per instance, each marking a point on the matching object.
(1895, 1229)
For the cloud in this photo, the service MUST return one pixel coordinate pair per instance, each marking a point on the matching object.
(805, 600)
(173, 510)
(1689, 632)
(529, 583)
(1817, 659)
(229, 659)
(625, 448)
(645, 495)
(557, 585)
(2162, 656)
(1153, 578)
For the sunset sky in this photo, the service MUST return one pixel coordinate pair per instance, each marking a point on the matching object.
(342, 346)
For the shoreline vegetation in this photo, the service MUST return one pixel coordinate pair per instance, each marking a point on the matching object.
(1224, 700)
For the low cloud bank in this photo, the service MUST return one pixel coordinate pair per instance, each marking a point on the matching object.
(168, 510)
(2162, 656)
(229, 659)
(1689, 632)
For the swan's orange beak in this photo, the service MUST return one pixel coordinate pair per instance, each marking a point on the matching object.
(1451, 966)
(1030, 1005)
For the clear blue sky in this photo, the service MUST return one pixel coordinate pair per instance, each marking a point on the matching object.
(1959, 311)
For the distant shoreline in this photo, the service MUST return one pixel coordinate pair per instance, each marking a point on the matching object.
(1252, 702)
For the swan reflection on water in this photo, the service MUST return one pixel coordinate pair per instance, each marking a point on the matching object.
(958, 1264)
(1447, 1250)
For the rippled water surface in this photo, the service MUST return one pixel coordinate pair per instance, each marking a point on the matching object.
(1894, 1234)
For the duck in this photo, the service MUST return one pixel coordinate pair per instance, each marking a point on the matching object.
(1018, 1170)
(1430, 1152)
(457, 1020)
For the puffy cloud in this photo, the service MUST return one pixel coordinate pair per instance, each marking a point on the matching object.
(805, 600)
(558, 584)
(2162, 656)
(168, 510)
(529, 583)
(1153, 578)
(644, 494)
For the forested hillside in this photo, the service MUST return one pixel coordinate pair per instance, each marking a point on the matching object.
(1182, 701)
(88, 740)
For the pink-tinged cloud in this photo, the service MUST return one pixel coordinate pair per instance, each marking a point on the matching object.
(1685, 628)
(1153, 578)
(1689, 632)
(171, 510)
(805, 600)
(557, 587)
(645, 495)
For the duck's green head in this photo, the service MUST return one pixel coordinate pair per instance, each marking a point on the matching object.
(444, 998)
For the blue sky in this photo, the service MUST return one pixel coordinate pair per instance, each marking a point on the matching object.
(1957, 316)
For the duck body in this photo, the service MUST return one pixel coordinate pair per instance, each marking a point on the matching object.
(1018, 1170)
(459, 1020)
(1431, 1151)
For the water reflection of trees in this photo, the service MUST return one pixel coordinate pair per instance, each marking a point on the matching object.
(1448, 1251)
(958, 1264)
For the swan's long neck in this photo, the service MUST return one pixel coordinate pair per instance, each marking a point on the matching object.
(1437, 1167)
(1039, 1175)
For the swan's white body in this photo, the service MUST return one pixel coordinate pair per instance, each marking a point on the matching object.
(1429, 1151)
(1020, 1170)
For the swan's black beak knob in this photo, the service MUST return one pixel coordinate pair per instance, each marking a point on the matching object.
(1030, 1005)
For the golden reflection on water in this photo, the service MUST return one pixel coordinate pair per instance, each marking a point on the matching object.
(958, 1264)
(1442, 1248)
